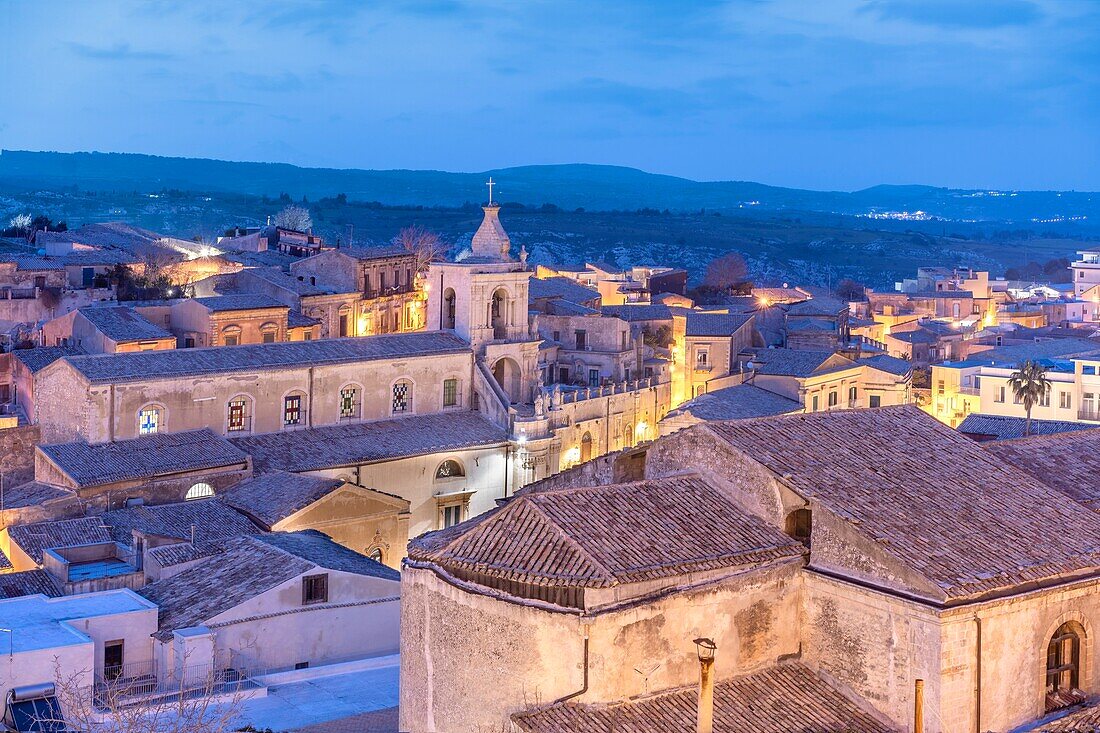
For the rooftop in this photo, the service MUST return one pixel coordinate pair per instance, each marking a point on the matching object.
(715, 324)
(34, 493)
(935, 500)
(272, 497)
(888, 364)
(799, 362)
(632, 313)
(1067, 461)
(44, 623)
(781, 699)
(818, 306)
(561, 287)
(120, 323)
(211, 520)
(314, 449)
(148, 365)
(736, 403)
(581, 537)
(36, 538)
(28, 583)
(40, 357)
(1011, 356)
(1003, 427)
(239, 302)
(145, 457)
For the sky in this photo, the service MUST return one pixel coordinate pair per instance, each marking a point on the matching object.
(825, 94)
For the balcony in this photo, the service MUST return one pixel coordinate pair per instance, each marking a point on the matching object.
(143, 683)
(1091, 415)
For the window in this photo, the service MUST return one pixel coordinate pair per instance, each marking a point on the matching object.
(939, 387)
(875, 400)
(449, 469)
(701, 357)
(113, 659)
(832, 399)
(376, 555)
(269, 337)
(1088, 405)
(999, 395)
(814, 404)
(1065, 400)
(799, 524)
(292, 409)
(402, 397)
(593, 377)
(582, 339)
(315, 589)
(1044, 401)
(343, 325)
(200, 490)
(231, 335)
(149, 420)
(563, 375)
(1017, 399)
(189, 342)
(239, 417)
(853, 395)
(586, 447)
(450, 392)
(1089, 369)
(349, 403)
(232, 340)
(451, 514)
(557, 336)
(1063, 667)
(309, 336)
(366, 283)
(381, 281)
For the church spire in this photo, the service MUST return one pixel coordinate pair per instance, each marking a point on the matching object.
(491, 240)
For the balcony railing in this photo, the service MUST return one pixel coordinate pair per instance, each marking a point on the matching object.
(144, 683)
(1087, 414)
(240, 425)
(301, 421)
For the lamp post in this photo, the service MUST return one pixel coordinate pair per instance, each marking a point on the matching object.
(705, 648)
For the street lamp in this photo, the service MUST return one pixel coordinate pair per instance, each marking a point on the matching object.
(705, 649)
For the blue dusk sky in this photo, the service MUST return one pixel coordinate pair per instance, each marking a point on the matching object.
(832, 94)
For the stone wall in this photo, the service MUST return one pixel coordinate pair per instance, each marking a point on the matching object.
(17, 453)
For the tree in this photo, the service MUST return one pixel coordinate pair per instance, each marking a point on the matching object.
(200, 701)
(294, 217)
(425, 244)
(661, 338)
(1029, 384)
(850, 290)
(726, 271)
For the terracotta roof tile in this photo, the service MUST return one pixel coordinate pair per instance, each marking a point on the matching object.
(1067, 461)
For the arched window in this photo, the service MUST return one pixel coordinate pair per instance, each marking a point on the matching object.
(231, 335)
(628, 435)
(586, 447)
(200, 490)
(350, 408)
(239, 414)
(376, 554)
(294, 413)
(799, 523)
(449, 469)
(449, 308)
(1064, 667)
(269, 332)
(402, 397)
(150, 419)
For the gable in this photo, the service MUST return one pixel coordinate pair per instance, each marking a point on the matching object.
(346, 504)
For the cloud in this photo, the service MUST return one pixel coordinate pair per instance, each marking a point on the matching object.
(117, 52)
(958, 13)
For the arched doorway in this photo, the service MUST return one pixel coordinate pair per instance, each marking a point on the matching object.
(586, 447)
(508, 375)
(498, 313)
(449, 308)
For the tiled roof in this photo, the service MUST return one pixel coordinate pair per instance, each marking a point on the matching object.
(28, 583)
(563, 307)
(276, 276)
(736, 403)
(249, 566)
(34, 493)
(1003, 427)
(272, 497)
(89, 258)
(258, 357)
(35, 538)
(819, 306)
(797, 362)
(40, 357)
(1081, 720)
(374, 253)
(889, 364)
(323, 552)
(932, 498)
(180, 552)
(1010, 356)
(715, 324)
(211, 519)
(120, 323)
(916, 336)
(1067, 461)
(632, 313)
(295, 319)
(811, 324)
(344, 445)
(145, 457)
(561, 287)
(602, 536)
(784, 698)
(239, 302)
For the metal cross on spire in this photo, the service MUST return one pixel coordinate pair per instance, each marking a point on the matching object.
(490, 184)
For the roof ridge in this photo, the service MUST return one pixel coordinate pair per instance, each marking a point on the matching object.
(608, 575)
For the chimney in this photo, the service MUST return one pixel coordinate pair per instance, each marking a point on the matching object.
(705, 720)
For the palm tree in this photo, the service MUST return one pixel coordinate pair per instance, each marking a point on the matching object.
(1030, 384)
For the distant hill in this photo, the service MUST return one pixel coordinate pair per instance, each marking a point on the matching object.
(593, 187)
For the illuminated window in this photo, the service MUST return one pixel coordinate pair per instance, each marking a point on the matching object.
(199, 491)
(450, 392)
(292, 409)
(402, 397)
(149, 420)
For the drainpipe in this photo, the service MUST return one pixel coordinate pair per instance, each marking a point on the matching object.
(584, 686)
(918, 707)
(978, 676)
(704, 722)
